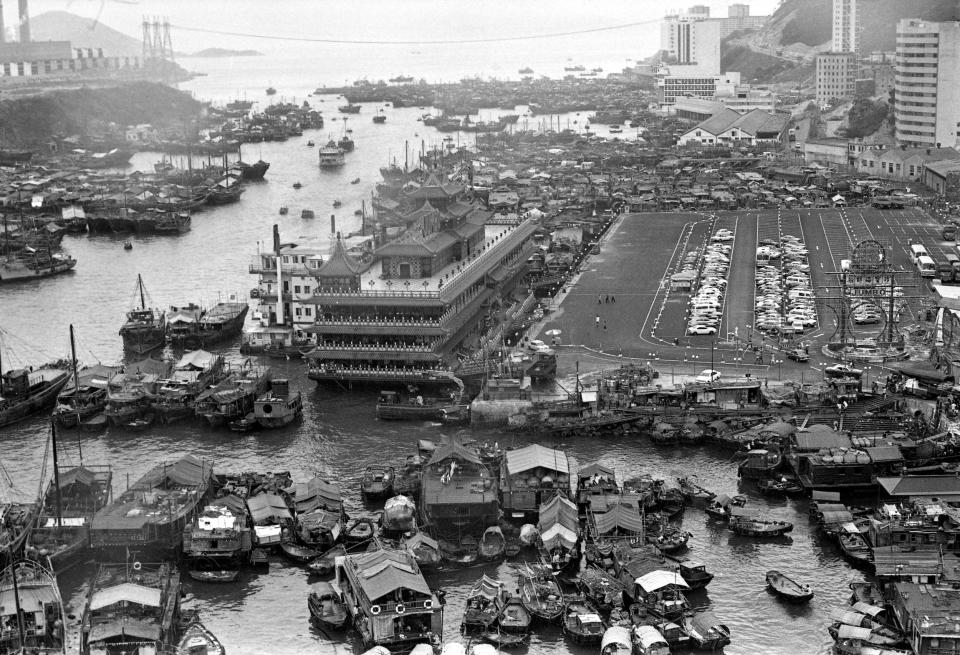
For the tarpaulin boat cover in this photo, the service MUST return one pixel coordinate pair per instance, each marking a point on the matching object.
(187, 472)
(126, 592)
(197, 359)
(559, 523)
(318, 493)
(847, 617)
(268, 508)
(620, 516)
(618, 636)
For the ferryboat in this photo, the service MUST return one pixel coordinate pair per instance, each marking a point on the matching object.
(131, 608)
(331, 156)
(388, 599)
(349, 108)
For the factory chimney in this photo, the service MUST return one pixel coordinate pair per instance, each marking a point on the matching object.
(24, 21)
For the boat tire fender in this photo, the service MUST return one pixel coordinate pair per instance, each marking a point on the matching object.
(427, 604)
(400, 608)
(374, 609)
(137, 566)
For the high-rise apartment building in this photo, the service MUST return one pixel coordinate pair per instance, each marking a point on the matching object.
(927, 82)
(846, 26)
(836, 76)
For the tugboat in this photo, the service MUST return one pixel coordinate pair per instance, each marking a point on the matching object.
(278, 407)
(26, 391)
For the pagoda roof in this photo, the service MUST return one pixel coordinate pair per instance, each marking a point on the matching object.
(340, 264)
(433, 189)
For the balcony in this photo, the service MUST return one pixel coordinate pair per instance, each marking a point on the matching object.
(257, 268)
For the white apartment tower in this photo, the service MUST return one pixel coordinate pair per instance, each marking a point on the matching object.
(692, 41)
(927, 83)
(846, 26)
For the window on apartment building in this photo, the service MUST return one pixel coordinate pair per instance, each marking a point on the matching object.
(296, 288)
(912, 169)
(898, 168)
(297, 311)
(306, 311)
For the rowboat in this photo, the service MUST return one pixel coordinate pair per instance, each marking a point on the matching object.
(492, 544)
(326, 606)
(788, 588)
(198, 639)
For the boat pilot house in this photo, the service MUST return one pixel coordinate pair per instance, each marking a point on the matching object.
(388, 599)
(530, 476)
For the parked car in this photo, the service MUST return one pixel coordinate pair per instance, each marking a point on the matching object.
(842, 370)
(798, 355)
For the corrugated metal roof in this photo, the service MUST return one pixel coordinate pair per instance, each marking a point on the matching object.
(534, 455)
(656, 580)
(885, 453)
(187, 471)
(127, 592)
(456, 450)
(317, 493)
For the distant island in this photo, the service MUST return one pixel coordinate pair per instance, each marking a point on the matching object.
(223, 52)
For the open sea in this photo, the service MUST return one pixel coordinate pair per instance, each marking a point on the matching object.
(267, 613)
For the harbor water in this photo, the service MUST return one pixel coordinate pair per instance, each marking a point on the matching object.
(339, 436)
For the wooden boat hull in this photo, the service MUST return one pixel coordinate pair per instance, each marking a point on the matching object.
(788, 589)
(299, 554)
(21, 409)
(760, 530)
(226, 575)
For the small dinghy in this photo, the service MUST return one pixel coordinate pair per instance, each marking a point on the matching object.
(513, 624)
(359, 530)
(492, 544)
(198, 639)
(298, 553)
(787, 588)
(326, 606)
(324, 564)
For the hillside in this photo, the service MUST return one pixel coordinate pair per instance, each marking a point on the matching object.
(35, 118)
(808, 22)
(83, 33)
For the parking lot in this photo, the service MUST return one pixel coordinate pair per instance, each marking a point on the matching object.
(639, 257)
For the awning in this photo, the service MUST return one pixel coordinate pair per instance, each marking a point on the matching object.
(656, 580)
(559, 535)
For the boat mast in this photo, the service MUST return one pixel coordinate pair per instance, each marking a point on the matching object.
(56, 473)
(143, 304)
(16, 596)
(76, 383)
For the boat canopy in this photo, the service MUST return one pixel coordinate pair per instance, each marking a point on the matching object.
(188, 471)
(318, 493)
(536, 456)
(648, 636)
(656, 580)
(382, 572)
(704, 622)
(127, 627)
(595, 468)
(867, 608)
(268, 507)
(619, 636)
(126, 592)
(199, 360)
(853, 632)
(848, 617)
(559, 523)
(488, 587)
(619, 516)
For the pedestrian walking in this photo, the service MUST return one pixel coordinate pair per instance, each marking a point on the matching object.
(606, 299)
(613, 299)
(599, 299)
(598, 320)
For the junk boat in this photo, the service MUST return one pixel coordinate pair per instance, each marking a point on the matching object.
(153, 513)
(194, 327)
(218, 540)
(278, 407)
(485, 601)
(559, 529)
(749, 523)
(388, 600)
(26, 391)
(234, 396)
(393, 406)
(540, 593)
(377, 483)
(30, 264)
(131, 608)
(31, 610)
(145, 328)
(787, 588)
(581, 621)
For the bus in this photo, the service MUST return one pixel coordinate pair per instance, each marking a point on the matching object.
(917, 250)
(926, 267)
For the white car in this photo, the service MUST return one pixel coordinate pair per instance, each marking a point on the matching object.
(708, 375)
(701, 329)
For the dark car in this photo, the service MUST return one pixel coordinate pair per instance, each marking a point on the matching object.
(798, 355)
